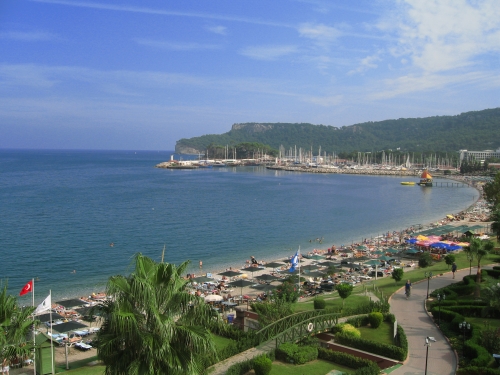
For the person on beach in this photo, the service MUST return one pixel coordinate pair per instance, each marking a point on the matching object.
(408, 289)
(201, 264)
(453, 269)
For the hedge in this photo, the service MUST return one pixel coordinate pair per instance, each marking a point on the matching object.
(480, 355)
(495, 272)
(390, 351)
(474, 370)
(289, 352)
(349, 360)
(241, 368)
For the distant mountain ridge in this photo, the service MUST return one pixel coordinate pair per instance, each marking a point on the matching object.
(476, 130)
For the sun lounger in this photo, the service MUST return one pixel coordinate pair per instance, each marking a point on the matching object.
(83, 346)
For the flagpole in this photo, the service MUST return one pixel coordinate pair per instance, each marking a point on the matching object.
(51, 336)
(34, 335)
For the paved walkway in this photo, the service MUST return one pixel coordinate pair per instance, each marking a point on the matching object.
(418, 325)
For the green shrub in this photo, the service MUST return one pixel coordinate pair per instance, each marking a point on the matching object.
(298, 355)
(358, 321)
(262, 365)
(425, 260)
(349, 360)
(349, 330)
(474, 370)
(319, 303)
(375, 319)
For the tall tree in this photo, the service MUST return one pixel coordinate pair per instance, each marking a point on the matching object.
(15, 325)
(495, 225)
(152, 325)
(492, 191)
(469, 253)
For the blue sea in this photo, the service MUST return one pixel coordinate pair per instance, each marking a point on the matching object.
(61, 210)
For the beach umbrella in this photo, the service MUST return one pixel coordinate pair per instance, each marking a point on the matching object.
(317, 257)
(392, 250)
(251, 269)
(241, 284)
(385, 257)
(213, 298)
(412, 240)
(265, 287)
(361, 247)
(363, 258)
(412, 251)
(328, 263)
(376, 263)
(378, 252)
(230, 273)
(266, 277)
(274, 265)
(309, 267)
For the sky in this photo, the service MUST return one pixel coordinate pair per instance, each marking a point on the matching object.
(140, 75)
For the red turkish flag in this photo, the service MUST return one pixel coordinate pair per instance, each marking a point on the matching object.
(27, 288)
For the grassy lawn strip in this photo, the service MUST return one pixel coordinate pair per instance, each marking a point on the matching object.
(317, 367)
(221, 342)
(352, 301)
(382, 334)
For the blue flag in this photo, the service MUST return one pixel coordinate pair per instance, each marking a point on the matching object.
(294, 261)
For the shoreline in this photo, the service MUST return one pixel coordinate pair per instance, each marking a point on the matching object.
(478, 202)
(221, 265)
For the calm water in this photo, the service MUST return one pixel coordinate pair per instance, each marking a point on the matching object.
(60, 210)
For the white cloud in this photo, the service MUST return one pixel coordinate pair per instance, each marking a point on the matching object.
(221, 30)
(441, 35)
(403, 85)
(174, 46)
(30, 36)
(268, 53)
(369, 62)
(322, 35)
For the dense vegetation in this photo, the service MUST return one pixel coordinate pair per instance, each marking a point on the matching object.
(473, 130)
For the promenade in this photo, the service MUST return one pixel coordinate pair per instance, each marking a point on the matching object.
(418, 325)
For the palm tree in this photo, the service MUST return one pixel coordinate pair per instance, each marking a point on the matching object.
(15, 325)
(469, 253)
(152, 325)
(495, 225)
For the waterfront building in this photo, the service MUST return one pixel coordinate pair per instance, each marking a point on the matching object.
(480, 156)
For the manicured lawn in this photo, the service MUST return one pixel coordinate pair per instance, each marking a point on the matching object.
(382, 334)
(317, 367)
(221, 342)
(484, 323)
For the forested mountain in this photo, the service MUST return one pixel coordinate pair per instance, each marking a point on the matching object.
(476, 130)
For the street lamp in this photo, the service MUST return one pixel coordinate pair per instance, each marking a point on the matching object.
(440, 297)
(428, 341)
(464, 326)
(428, 280)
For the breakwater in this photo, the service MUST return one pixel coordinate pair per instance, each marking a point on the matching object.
(374, 172)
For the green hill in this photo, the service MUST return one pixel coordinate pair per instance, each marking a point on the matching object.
(476, 130)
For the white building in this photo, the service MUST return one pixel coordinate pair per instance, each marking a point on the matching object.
(480, 156)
